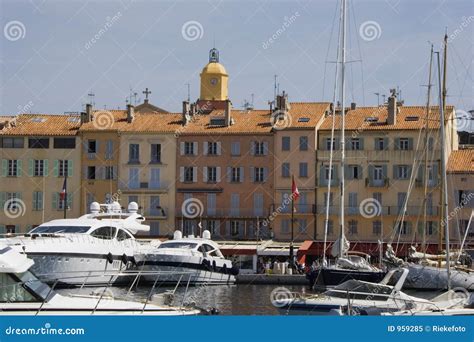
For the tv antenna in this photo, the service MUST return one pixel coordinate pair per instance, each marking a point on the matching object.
(91, 97)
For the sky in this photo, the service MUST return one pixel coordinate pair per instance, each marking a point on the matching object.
(54, 53)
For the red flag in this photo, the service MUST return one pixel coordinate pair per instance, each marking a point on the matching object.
(295, 193)
(62, 194)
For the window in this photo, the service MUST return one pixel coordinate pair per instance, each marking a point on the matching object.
(259, 148)
(378, 173)
(63, 166)
(58, 203)
(155, 178)
(330, 144)
(259, 175)
(404, 228)
(37, 200)
(378, 197)
(109, 172)
(123, 235)
(212, 174)
(212, 148)
(155, 153)
(213, 227)
(13, 170)
(354, 172)
(326, 173)
(155, 207)
(355, 144)
(38, 168)
(285, 143)
(376, 227)
(134, 154)
(258, 204)
(12, 142)
(188, 148)
(38, 143)
(380, 144)
(235, 148)
(234, 228)
(285, 170)
(353, 227)
(403, 144)
(105, 233)
(133, 178)
(430, 227)
(402, 172)
(188, 174)
(235, 175)
(91, 172)
(303, 143)
(64, 143)
(211, 204)
(91, 146)
(303, 169)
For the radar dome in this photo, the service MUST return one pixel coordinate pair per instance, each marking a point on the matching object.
(177, 235)
(206, 234)
(95, 207)
(132, 207)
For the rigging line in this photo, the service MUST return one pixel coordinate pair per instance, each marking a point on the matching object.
(350, 49)
(333, 142)
(351, 4)
(465, 68)
(329, 48)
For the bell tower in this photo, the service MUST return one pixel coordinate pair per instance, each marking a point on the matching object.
(214, 79)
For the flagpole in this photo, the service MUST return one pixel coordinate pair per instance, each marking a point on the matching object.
(65, 194)
(292, 221)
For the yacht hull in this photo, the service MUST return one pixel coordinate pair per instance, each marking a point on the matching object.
(334, 276)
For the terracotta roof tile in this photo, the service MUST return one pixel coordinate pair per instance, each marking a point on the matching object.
(43, 125)
(461, 161)
(356, 119)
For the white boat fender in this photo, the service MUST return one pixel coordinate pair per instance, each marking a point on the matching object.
(110, 258)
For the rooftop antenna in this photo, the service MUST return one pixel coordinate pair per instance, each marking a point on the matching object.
(378, 99)
(189, 91)
(253, 95)
(275, 87)
(91, 96)
(383, 98)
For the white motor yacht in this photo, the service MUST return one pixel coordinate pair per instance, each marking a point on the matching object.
(198, 257)
(355, 297)
(21, 293)
(89, 250)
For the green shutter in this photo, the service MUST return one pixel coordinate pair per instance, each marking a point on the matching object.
(55, 200)
(384, 170)
(2, 229)
(410, 143)
(69, 200)
(322, 180)
(31, 167)
(409, 171)
(360, 172)
(46, 169)
(395, 173)
(40, 200)
(385, 143)
(348, 173)
(35, 202)
(4, 167)
(56, 168)
(335, 176)
(70, 167)
(361, 143)
(371, 175)
(397, 143)
(18, 168)
(3, 198)
(435, 175)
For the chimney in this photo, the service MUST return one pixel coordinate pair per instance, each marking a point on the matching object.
(392, 108)
(353, 105)
(130, 113)
(282, 104)
(87, 116)
(186, 112)
(228, 120)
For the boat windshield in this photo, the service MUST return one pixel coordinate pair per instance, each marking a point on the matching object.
(59, 229)
(183, 245)
(23, 287)
(364, 290)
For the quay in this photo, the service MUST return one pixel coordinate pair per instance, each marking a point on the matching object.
(272, 279)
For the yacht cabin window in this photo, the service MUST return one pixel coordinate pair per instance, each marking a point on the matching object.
(184, 245)
(106, 233)
(122, 235)
(59, 229)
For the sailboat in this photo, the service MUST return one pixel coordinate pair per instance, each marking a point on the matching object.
(435, 274)
(348, 265)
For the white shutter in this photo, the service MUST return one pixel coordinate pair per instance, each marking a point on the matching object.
(205, 148)
(181, 174)
(195, 169)
(195, 148)
(218, 174)
(219, 148)
(205, 176)
(181, 148)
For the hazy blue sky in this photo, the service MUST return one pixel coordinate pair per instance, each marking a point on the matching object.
(53, 64)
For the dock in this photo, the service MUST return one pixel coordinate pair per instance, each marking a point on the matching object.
(272, 279)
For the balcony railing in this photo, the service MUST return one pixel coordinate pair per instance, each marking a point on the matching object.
(384, 210)
(286, 209)
(229, 212)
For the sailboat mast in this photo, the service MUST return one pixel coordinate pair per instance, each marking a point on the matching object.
(426, 175)
(445, 60)
(443, 176)
(343, 120)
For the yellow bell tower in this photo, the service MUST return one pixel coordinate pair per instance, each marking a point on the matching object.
(214, 79)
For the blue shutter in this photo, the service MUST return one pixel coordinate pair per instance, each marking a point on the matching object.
(4, 167)
(322, 178)
(18, 168)
(397, 143)
(385, 143)
(31, 167)
(371, 175)
(410, 143)
(361, 143)
(395, 173)
(3, 199)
